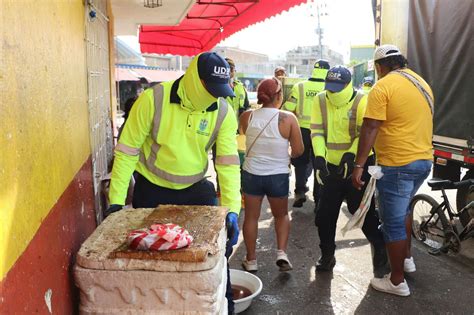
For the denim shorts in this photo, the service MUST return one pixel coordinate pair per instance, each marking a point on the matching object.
(269, 185)
(395, 190)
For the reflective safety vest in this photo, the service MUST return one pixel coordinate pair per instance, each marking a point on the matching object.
(301, 100)
(335, 129)
(168, 144)
(366, 89)
(238, 101)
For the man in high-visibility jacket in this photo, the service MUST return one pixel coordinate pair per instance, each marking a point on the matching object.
(166, 140)
(367, 85)
(300, 103)
(239, 102)
(336, 117)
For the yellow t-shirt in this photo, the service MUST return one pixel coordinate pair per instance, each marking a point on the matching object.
(407, 129)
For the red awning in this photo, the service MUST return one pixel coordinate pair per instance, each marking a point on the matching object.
(152, 75)
(207, 23)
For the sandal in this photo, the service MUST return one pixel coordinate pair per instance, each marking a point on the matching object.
(250, 265)
(283, 262)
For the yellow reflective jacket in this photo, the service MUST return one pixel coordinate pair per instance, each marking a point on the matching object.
(167, 138)
(301, 98)
(335, 129)
(240, 102)
(366, 89)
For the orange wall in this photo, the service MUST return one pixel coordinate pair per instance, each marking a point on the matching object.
(45, 130)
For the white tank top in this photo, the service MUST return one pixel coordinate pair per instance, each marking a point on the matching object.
(269, 155)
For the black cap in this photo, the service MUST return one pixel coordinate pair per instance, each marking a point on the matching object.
(337, 78)
(214, 71)
(322, 64)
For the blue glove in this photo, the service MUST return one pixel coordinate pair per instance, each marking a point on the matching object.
(232, 224)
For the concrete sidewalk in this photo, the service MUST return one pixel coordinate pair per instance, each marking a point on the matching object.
(441, 284)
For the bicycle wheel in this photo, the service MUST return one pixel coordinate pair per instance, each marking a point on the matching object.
(430, 232)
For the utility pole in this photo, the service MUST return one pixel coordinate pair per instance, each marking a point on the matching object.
(320, 35)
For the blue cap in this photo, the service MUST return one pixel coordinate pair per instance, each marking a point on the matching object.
(215, 72)
(337, 78)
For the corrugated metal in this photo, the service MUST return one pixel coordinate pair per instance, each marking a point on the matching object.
(125, 54)
(98, 79)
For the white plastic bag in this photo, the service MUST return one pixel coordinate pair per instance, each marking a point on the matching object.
(357, 220)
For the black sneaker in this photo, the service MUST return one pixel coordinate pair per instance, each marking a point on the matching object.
(326, 263)
(298, 203)
(299, 200)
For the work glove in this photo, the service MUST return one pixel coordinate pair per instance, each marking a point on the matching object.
(111, 209)
(232, 224)
(320, 169)
(346, 166)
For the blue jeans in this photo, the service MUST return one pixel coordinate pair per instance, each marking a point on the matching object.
(395, 190)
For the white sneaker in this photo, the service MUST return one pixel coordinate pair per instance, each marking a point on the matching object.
(385, 285)
(283, 262)
(250, 265)
(409, 265)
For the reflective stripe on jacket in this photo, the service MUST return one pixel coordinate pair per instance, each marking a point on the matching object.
(301, 100)
(240, 101)
(335, 130)
(168, 144)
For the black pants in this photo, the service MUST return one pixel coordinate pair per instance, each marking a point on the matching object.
(304, 166)
(148, 195)
(333, 193)
(202, 193)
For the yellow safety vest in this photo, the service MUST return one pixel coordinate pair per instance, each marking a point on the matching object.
(366, 89)
(237, 102)
(335, 130)
(301, 100)
(168, 144)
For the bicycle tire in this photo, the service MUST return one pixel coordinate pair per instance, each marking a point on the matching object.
(432, 235)
(462, 193)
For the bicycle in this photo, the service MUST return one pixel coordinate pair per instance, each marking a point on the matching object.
(432, 227)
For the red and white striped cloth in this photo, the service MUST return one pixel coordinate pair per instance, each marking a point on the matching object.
(159, 237)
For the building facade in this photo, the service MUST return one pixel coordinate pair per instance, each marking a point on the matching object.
(300, 61)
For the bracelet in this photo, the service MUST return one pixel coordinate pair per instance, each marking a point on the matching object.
(358, 166)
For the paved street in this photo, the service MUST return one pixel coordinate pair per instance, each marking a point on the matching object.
(441, 284)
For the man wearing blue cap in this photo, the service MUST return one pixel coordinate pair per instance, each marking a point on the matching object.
(335, 123)
(166, 141)
(300, 103)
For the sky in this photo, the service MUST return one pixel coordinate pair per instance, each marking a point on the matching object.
(345, 23)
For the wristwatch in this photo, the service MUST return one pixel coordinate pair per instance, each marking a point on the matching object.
(358, 166)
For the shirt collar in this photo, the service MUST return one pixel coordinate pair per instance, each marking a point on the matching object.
(175, 99)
